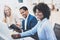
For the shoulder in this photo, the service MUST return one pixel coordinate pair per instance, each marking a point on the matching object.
(32, 17)
(48, 25)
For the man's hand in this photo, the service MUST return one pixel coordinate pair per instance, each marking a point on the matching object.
(16, 36)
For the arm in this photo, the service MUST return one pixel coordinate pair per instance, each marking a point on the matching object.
(30, 32)
(27, 33)
(17, 20)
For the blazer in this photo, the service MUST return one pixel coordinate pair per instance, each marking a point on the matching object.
(31, 22)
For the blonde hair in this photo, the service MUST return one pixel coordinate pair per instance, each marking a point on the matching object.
(5, 17)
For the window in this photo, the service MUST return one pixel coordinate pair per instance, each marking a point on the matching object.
(20, 1)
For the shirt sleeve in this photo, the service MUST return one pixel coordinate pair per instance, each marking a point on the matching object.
(30, 32)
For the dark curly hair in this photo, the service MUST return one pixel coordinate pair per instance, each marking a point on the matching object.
(42, 7)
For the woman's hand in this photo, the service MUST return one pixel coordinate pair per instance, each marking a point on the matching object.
(16, 36)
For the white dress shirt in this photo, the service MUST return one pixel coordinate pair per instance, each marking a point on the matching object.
(26, 22)
(43, 29)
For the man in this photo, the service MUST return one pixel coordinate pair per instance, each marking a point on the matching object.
(29, 21)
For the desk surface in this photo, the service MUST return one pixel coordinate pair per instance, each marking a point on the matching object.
(26, 38)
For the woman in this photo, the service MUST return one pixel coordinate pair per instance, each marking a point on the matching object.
(43, 27)
(9, 18)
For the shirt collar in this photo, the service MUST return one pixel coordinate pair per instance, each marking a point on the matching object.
(45, 19)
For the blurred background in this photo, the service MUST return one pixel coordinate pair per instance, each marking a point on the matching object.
(16, 4)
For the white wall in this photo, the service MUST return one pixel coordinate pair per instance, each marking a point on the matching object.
(11, 3)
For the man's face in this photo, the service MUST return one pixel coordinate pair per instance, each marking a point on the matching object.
(24, 13)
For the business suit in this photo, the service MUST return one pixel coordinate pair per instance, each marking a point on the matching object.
(43, 29)
(31, 22)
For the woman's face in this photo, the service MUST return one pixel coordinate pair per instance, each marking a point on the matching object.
(7, 11)
(39, 15)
